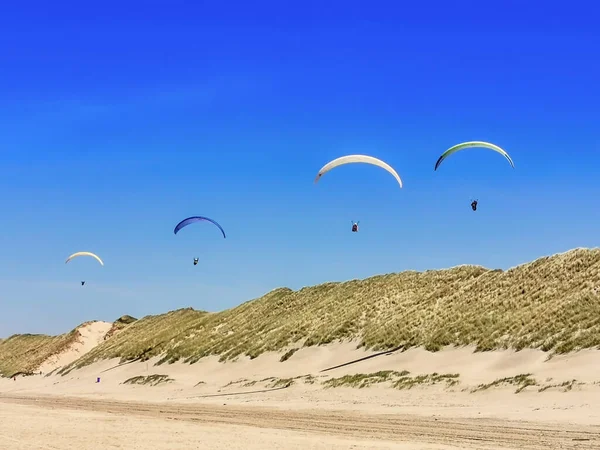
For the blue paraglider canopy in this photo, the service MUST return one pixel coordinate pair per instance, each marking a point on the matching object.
(194, 219)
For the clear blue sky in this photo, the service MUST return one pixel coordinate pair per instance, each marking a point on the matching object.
(120, 119)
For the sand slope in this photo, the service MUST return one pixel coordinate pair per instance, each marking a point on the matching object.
(91, 334)
(244, 403)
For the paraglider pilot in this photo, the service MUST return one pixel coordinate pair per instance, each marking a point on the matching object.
(354, 227)
(474, 205)
(82, 283)
(195, 261)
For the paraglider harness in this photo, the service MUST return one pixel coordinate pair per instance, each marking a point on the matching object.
(354, 227)
(195, 261)
(474, 205)
(82, 283)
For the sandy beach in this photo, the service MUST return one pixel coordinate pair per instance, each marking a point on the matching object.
(264, 403)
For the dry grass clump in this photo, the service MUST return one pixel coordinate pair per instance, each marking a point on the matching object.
(281, 383)
(287, 355)
(565, 386)
(119, 325)
(149, 380)
(362, 380)
(521, 381)
(450, 379)
(273, 382)
(399, 380)
(552, 304)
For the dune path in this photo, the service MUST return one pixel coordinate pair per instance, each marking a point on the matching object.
(221, 426)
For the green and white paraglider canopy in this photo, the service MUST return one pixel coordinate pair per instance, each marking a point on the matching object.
(471, 144)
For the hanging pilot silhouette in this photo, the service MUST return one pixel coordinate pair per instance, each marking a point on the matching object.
(195, 261)
(474, 205)
(355, 226)
(82, 283)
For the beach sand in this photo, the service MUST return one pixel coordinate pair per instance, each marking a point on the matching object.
(250, 404)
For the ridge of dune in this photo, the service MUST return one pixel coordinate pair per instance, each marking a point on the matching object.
(548, 304)
(90, 334)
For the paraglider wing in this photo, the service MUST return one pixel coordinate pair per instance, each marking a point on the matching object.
(75, 255)
(470, 144)
(194, 219)
(357, 159)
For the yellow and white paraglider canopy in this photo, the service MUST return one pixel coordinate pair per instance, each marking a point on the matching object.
(350, 159)
(78, 254)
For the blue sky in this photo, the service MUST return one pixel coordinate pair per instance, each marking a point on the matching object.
(119, 120)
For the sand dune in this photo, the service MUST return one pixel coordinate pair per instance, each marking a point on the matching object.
(450, 359)
(90, 335)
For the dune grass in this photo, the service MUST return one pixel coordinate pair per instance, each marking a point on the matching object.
(363, 380)
(551, 304)
(449, 379)
(521, 381)
(272, 382)
(119, 325)
(24, 353)
(565, 386)
(398, 380)
(149, 380)
(287, 355)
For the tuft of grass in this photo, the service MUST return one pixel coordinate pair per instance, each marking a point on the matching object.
(272, 382)
(281, 382)
(309, 379)
(450, 379)
(126, 319)
(362, 380)
(119, 325)
(150, 380)
(399, 380)
(521, 381)
(550, 304)
(288, 354)
(240, 381)
(565, 386)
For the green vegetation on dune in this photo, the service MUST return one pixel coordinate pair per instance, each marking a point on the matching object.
(522, 381)
(125, 320)
(24, 353)
(551, 303)
(144, 338)
(362, 380)
(399, 380)
(119, 325)
(565, 386)
(150, 380)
